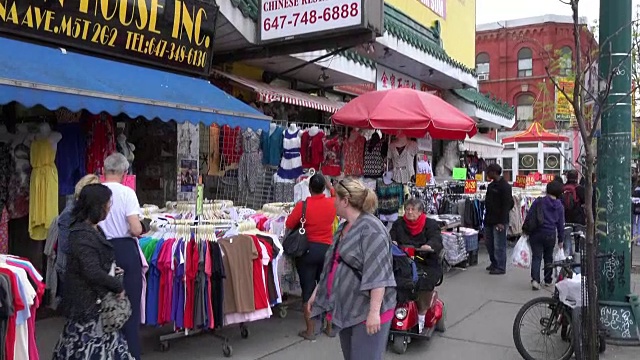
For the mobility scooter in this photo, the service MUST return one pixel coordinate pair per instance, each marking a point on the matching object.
(404, 326)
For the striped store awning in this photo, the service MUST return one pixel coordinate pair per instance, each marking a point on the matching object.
(268, 93)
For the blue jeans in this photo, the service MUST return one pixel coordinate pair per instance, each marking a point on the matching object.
(542, 246)
(496, 242)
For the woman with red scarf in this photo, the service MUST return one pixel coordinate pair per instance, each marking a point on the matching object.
(418, 231)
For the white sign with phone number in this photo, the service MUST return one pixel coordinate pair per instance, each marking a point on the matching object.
(287, 18)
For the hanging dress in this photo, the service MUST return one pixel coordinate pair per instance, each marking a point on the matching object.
(250, 168)
(403, 159)
(354, 156)
(43, 201)
(291, 163)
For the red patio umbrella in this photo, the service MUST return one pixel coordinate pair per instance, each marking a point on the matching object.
(410, 112)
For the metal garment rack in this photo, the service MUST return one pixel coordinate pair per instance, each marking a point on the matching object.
(227, 349)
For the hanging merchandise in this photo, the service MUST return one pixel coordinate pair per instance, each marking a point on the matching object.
(23, 289)
(126, 148)
(214, 150)
(291, 163)
(312, 150)
(101, 143)
(424, 171)
(331, 165)
(21, 175)
(272, 145)
(402, 153)
(390, 197)
(231, 145)
(374, 154)
(354, 154)
(71, 157)
(43, 203)
(4, 231)
(250, 167)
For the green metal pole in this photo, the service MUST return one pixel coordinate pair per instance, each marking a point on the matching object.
(618, 310)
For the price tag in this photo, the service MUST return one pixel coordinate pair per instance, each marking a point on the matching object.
(531, 180)
(199, 199)
(521, 181)
(459, 173)
(470, 187)
(547, 178)
(479, 177)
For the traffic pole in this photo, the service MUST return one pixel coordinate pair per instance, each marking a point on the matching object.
(619, 309)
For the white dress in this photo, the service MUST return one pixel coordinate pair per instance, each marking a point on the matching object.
(403, 162)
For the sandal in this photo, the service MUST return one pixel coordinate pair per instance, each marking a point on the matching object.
(303, 334)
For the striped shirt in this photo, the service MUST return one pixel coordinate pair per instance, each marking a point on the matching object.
(366, 247)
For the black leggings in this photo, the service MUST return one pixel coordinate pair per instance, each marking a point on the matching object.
(309, 268)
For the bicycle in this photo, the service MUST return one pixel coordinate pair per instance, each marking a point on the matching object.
(558, 321)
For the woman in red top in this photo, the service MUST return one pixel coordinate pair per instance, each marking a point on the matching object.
(320, 214)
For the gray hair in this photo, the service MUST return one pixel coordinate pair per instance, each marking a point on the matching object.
(116, 163)
(414, 203)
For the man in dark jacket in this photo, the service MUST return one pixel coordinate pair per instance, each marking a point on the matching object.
(498, 204)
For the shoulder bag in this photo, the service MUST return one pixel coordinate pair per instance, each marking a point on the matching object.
(534, 219)
(295, 243)
(114, 312)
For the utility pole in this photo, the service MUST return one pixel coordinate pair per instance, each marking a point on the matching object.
(619, 309)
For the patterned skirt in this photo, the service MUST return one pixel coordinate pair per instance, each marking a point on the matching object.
(87, 341)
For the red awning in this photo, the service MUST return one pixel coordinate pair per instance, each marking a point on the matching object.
(535, 133)
(267, 93)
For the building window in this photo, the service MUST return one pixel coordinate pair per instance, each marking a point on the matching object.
(524, 110)
(552, 164)
(507, 169)
(525, 62)
(566, 61)
(528, 164)
(482, 64)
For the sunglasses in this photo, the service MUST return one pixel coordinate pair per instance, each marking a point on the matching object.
(344, 187)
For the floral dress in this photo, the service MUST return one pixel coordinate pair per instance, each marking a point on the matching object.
(354, 156)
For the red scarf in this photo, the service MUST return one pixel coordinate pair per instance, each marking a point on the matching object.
(416, 227)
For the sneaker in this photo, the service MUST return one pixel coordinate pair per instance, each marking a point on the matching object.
(497, 272)
(548, 284)
(489, 268)
(535, 285)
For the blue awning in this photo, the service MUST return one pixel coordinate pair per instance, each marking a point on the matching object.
(37, 75)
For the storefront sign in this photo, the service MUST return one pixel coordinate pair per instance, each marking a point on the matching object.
(470, 187)
(357, 89)
(387, 79)
(174, 34)
(546, 178)
(437, 6)
(531, 180)
(282, 19)
(521, 181)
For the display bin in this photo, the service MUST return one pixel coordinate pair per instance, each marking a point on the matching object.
(471, 242)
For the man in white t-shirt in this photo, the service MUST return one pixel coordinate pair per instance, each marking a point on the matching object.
(121, 227)
(123, 219)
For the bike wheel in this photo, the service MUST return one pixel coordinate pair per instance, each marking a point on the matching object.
(544, 318)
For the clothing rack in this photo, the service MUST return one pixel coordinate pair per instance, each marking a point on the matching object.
(195, 226)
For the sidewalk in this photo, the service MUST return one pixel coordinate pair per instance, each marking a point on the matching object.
(480, 313)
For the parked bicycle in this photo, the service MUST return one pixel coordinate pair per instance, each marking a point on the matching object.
(552, 323)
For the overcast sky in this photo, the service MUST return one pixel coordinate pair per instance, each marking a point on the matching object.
(497, 10)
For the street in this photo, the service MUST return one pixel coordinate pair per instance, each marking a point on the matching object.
(480, 313)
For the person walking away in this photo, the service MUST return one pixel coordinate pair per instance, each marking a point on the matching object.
(319, 216)
(357, 285)
(90, 261)
(415, 229)
(543, 239)
(121, 227)
(64, 227)
(498, 204)
(573, 200)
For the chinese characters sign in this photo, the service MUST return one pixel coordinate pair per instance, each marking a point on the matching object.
(437, 6)
(387, 79)
(175, 34)
(281, 19)
(564, 109)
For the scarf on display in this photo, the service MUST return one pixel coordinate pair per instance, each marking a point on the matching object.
(416, 227)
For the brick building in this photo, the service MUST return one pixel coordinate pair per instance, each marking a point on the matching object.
(511, 57)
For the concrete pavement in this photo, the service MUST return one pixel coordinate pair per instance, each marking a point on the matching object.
(480, 313)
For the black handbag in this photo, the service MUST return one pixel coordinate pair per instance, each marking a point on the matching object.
(534, 219)
(114, 311)
(295, 243)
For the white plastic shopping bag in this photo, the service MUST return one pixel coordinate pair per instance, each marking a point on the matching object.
(558, 254)
(570, 291)
(522, 253)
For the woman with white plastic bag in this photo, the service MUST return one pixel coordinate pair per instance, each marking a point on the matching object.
(522, 253)
(547, 234)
